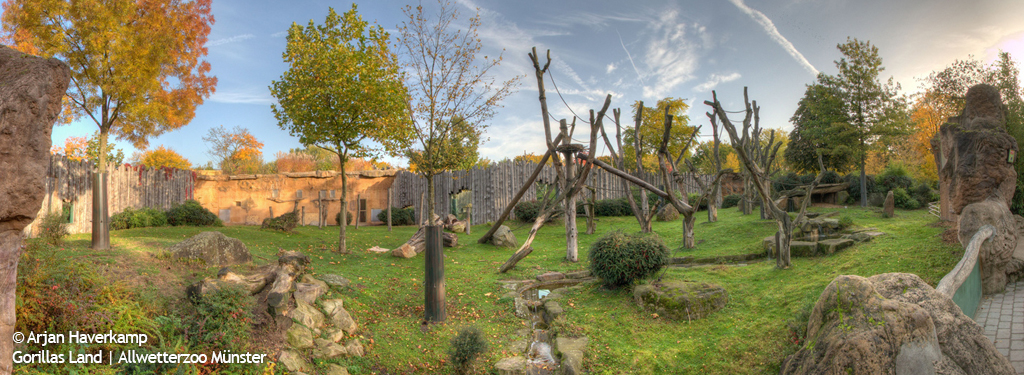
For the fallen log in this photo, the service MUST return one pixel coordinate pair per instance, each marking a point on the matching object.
(279, 277)
(418, 242)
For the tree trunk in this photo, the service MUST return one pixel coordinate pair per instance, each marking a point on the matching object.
(100, 216)
(589, 207)
(863, 184)
(571, 233)
(389, 209)
(688, 239)
(713, 205)
(430, 196)
(342, 248)
(784, 238)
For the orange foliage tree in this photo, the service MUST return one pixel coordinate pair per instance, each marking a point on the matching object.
(235, 150)
(136, 65)
(74, 148)
(164, 157)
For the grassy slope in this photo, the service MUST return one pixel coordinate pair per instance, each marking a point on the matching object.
(749, 336)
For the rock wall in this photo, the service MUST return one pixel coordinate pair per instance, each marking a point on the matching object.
(31, 89)
(262, 194)
(892, 323)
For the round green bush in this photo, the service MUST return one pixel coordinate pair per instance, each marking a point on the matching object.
(54, 229)
(731, 200)
(854, 189)
(348, 218)
(469, 344)
(192, 213)
(154, 217)
(121, 220)
(620, 259)
(399, 216)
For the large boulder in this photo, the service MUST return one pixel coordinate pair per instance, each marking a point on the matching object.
(996, 253)
(974, 150)
(681, 300)
(892, 323)
(214, 248)
(503, 237)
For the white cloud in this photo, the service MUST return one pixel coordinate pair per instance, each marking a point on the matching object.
(714, 79)
(243, 97)
(773, 32)
(672, 54)
(236, 38)
(610, 68)
(279, 34)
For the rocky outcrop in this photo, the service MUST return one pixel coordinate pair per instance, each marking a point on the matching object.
(892, 323)
(503, 237)
(996, 253)
(31, 89)
(974, 149)
(681, 300)
(213, 248)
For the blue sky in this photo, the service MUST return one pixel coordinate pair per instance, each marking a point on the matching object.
(643, 50)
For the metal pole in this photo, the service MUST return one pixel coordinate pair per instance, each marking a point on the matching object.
(434, 308)
(100, 228)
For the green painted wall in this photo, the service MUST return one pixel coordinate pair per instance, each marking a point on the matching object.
(968, 296)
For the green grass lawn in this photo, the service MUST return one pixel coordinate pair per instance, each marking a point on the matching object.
(749, 336)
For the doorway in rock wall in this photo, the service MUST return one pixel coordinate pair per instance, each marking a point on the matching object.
(459, 202)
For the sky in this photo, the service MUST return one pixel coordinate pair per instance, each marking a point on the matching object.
(636, 50)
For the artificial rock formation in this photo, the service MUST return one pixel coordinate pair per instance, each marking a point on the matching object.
(681, 300)
(996, 253)
(214, 248)
(503, 237)
(973, 153)
(892, 323)
(31, 89)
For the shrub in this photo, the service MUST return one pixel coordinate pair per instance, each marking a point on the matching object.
(527, 211)
(854, 189)
(121, 220)
(222, 319)
(894, 176)
(845, 222)
(613, 207)
(785, 182)
(903, 200)
(701, 204)
(731, 200)
(399, 216)
(620, 259)
(830, 177)
(154, 217)
(285, 223)
(53, 228)
(56, 293)
(922, 193)
(348, 218)
(466, 346)
(192, 213)
(668, 213)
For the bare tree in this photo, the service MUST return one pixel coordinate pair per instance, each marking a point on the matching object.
(759, 177)
(642, 210)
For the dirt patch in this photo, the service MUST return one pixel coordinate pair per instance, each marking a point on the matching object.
(951, 236)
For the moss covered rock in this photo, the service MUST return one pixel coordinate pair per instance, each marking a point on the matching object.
(681, 300)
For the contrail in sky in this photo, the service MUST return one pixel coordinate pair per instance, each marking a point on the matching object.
(638, 75)
(773, 32)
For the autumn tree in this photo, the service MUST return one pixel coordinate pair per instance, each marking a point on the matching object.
(136, 67)
(343, 87)
(450, 86)
(651, 121)
(164, 157)
(74, 148)
(234, 151)
(869, 102)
